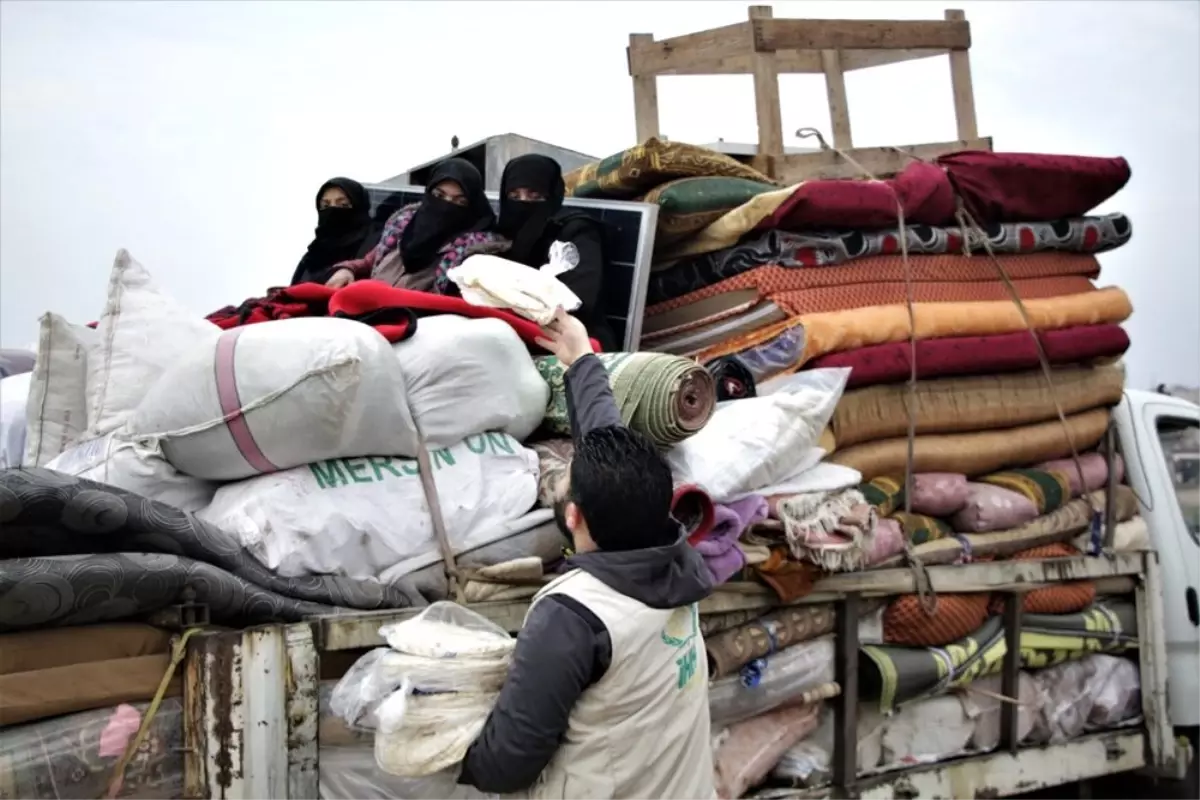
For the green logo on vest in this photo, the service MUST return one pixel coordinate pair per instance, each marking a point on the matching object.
(681, 631)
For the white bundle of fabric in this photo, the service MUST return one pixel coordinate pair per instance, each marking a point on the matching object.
(495, 282)
(454, 661)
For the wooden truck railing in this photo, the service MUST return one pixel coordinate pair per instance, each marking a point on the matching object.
(766, 48)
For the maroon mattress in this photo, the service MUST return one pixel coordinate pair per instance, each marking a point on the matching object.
(994, 187)
(975, 355)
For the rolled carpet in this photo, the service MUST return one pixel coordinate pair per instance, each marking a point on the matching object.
(979, 452)
(982, 402)
(667, 398)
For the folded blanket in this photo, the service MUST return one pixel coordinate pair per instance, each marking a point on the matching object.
(872, 272)
(818, 334)
(832, 530)
(977, 453)
(984, 402)
(667, 398)
(635, 171)
(919, 528)
(719, 546)
(77, 521)
(975, 355)
(1095, 471)
(828, 248)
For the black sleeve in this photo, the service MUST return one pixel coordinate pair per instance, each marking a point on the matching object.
(587, 278)
(563, 649)
(590, 402)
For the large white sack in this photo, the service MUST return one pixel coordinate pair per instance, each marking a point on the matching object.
(467, 376)
(134, 467)
(276, 395)
(758, 442)
(56, 412)
(367, 517)
(14, 393)
(142, 332)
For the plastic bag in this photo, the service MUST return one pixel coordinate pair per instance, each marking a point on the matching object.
(360, 691)
(759, 441)
(809, 763)
(350, 773)
(422, 734)
(495, 282)
(750, 748)
(785, 676)
(449, 659)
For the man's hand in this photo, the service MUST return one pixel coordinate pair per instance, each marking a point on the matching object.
(565, 337)
(343, 277)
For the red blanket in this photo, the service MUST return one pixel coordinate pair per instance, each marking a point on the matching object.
(391, 311)
(994, 187)
(975, 355)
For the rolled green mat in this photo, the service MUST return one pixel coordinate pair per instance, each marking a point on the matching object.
(667, 398)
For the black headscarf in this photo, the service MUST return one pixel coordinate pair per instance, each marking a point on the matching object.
(533, 226)
(438, 221)
(342, 234)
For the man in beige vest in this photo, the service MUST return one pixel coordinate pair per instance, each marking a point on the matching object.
(607, 696)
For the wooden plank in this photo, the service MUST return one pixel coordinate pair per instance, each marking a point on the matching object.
(645, 93)
(864, 59)
(881, 161)
(361, 630)
(770, 35)
(960, 81)
(835, 93)
(693, 53)
(766, 94)
(1000, 774)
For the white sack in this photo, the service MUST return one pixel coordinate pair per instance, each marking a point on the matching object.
(467, 376)
(14, 394)
(759, 441)
(56, 413)
(292, 391)
(495, 282)
(367, 518)
(142, 333)
(134, 467)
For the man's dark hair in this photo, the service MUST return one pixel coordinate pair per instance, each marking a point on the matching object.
(623, 488)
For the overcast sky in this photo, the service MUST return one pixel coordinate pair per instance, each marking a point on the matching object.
(195, 134)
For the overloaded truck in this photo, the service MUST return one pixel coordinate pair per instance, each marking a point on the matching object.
(1076, 651)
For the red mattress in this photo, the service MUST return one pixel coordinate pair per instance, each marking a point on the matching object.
(391, 311)
(994, 187)
(975, 355)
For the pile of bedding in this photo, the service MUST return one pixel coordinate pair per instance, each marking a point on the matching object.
(813, 306)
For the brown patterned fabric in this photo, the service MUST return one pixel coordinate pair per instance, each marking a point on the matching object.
(841, 298)
(730, 651)
(633, 172)
(29, 651)
(875, 270)
(43, 693)
(712, 624)
(554, 464)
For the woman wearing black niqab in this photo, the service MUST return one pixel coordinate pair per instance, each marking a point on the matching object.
(420, 242)
(532, 216)
(344, 230)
